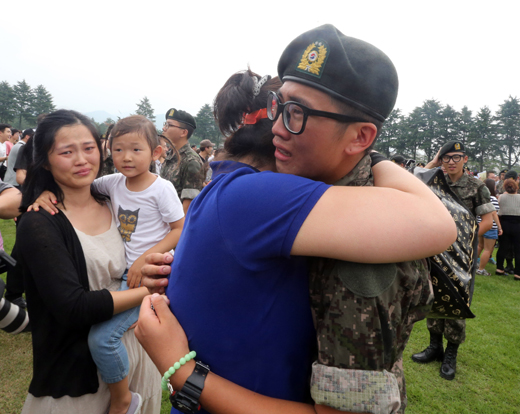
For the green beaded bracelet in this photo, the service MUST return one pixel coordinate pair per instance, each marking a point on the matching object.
(166, 377)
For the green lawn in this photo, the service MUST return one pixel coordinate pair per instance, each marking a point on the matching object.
(488, 369)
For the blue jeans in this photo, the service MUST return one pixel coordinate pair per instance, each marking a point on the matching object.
(104, 341)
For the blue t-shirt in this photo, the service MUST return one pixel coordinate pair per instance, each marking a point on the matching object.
(242, 299)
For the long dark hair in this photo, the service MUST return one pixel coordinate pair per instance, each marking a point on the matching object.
(39, 178)
(491, 184)
(236, 99)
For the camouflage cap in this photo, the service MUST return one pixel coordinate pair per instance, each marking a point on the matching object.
(451, 146)
(181, 116)
(348, 69)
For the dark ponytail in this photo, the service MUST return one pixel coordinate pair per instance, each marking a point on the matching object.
(235, 100)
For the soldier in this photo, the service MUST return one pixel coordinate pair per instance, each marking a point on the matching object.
(476, 197)
(399, 160)
(184, 170)
(363, 313)
(500, 184)
(206, 151)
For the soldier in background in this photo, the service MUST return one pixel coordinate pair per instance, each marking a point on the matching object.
(476, 197)
(399, 160)
(500, 183)
(185, 168)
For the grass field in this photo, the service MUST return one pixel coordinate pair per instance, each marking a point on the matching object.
(488, 369)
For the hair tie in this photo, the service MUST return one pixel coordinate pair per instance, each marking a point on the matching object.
(254, 117)
(259, 84)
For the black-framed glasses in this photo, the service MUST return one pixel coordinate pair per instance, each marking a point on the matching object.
(295, 114)
(167, 125)
(447, 158)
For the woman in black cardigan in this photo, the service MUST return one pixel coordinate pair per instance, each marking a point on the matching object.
(57, 270)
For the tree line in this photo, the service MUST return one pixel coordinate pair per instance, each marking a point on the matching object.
(20, 104)
(492, 141)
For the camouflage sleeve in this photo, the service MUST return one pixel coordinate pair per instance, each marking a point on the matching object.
(357, 391)
(193, 180)
(483, 201)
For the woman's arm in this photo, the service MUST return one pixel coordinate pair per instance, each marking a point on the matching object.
(53, 270)
(400, 220)
(497, 221)
(165, 342)
(10, 200)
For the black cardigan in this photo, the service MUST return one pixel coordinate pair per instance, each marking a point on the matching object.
(61, 306)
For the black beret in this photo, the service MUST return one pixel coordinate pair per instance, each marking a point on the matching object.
(511, 174)
(451, 146)
(348, 69)
(503, 171)
(181, 116)
(399, 159)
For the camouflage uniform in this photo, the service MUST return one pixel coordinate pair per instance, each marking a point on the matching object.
(500, 187)
(187, 176)
(364, 314)
(108, 166)
(476, 197)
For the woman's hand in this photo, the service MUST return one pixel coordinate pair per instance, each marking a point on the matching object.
(156, 270)
(160, 333)
(47, 201)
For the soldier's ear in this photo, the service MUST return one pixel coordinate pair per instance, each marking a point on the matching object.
(360, 136)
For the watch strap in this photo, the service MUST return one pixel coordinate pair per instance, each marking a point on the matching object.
(187, 399)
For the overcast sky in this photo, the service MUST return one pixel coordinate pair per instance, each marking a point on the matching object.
(107, 55)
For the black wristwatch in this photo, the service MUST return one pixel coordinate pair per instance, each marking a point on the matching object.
(187, 399)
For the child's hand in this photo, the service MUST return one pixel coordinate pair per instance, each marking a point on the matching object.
(47, 201)
(134, 273)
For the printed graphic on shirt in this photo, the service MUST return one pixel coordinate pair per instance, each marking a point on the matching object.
(127, 223)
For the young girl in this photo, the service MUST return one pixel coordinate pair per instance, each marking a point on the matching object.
(150, 218)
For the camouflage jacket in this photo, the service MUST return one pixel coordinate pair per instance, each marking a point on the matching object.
(108, 166)
(187, 176)
(473, 193)
(364, 313)
(500, 187)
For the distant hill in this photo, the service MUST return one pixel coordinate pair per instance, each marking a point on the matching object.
(102, 116)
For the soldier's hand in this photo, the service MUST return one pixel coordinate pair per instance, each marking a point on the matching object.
(155, 271)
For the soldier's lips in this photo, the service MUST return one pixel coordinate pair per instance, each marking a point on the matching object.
(282, 154)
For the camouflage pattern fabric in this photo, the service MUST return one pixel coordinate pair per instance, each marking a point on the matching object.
(500, 187)
(367, 333)
(108, 166)
(353, 390)
(473, 193)
(476, 197)
(187, 176)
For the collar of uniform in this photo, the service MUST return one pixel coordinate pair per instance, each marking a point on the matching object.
(461, 182)
(186, 148)
(361, 174)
